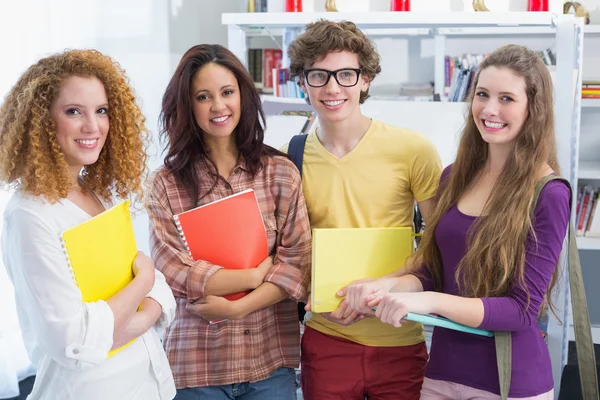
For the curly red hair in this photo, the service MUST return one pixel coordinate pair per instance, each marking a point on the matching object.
(30, 157)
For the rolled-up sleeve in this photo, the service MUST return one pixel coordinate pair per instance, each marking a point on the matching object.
(161, 292)
(291, 271)
(73, 333)
(520, 308)
(186, 277)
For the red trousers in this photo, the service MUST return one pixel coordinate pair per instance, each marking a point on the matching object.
(336, 368)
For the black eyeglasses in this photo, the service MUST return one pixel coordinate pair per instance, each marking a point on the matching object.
(346, 77)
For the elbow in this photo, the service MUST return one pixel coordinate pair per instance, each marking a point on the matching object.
(526, 319)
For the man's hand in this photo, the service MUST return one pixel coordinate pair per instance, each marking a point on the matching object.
(342, 316)
(362, 294)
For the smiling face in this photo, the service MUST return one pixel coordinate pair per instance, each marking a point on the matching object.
(333, 102)
(80, 113)
(499, 105)
(216, 101)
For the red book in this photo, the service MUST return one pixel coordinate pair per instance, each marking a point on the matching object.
(229, 232)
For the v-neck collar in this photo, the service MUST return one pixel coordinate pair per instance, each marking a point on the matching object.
(82, 213)
(333, 158)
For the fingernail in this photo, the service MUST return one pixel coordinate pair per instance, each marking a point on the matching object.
(340, 293)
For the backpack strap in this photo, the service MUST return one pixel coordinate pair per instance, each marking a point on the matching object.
(581, 320)
(296, 155)
(296, 150)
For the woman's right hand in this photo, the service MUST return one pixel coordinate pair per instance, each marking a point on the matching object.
(143, 268)
(262, 270)
(364, 293)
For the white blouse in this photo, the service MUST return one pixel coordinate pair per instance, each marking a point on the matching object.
(68, 340)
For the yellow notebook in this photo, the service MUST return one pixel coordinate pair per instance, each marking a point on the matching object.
(100, 253)
(340, 256)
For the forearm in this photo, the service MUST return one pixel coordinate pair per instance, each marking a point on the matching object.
(264, 296)
(149, 312)
(464, 310)
(125, 303)
(406, 283)
(228, 281)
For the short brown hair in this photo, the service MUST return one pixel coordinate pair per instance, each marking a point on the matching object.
(29, 153)
(323, 37)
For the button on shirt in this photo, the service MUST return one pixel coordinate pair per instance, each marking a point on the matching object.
(68, 340)
(248, 349)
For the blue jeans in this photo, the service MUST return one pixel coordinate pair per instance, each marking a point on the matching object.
(280, 385)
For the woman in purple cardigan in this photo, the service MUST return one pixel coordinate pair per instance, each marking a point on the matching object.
(483, 261)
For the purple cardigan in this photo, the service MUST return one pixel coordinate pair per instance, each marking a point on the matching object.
(470, 359)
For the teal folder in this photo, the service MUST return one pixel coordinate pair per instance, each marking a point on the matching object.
(445, 323)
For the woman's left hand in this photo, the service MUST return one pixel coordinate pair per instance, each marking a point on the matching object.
(393, 307)
(213, 308)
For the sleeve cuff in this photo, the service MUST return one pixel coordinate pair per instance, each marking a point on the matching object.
(485, 323)
(288, 279)
(99, 337)
(197, 277)
(162, 294)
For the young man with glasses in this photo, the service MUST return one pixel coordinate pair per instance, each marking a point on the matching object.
(357, 172)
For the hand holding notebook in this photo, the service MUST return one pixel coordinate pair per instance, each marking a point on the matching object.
(343, 255)
(228, 232)
(100, 253)
(442, 322)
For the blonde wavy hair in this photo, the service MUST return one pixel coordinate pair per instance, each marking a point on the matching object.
(495, 258)
(30, 157)
(323, 37)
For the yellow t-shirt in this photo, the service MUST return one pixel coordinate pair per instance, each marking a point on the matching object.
(375, 185)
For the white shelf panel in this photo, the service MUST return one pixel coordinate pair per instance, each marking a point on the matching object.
(500, 31)
(595, 333)
(392, 32)
(590, 103)
(394, 20)
(591, 29)
(588, 243)
(589, 170)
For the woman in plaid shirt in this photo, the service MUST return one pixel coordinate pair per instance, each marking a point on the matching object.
(211, 117)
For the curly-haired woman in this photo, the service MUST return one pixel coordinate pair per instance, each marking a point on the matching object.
(71, 134)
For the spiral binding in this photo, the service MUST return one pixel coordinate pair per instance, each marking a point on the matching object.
(63, 245)
(183, 238)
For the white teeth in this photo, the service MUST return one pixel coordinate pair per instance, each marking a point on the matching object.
(333, 103)
(86, 142)
(495, 125)
(220, 119)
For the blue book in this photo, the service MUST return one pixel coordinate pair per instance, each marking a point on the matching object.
(445, 323)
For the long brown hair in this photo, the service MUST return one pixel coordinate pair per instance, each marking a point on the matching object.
(186, 146)
(495, 258)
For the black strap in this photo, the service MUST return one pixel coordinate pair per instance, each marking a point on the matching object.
(296, 155)
(296, 150)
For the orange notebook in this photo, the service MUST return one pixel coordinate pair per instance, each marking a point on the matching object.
(229, 232)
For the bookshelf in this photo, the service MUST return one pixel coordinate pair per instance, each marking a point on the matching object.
(590, 103)
(565, 31)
